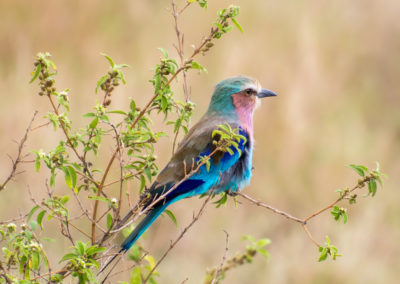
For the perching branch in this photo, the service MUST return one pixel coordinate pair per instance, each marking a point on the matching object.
(18, 159)
(346, 194)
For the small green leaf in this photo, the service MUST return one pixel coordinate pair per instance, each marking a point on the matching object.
(94, 122)
(345, 217)
(89, 114)
(324, 254)
(172, 216)
(109, 59)
(39, 218)
(37, 164)
(72, 174)
(359, 169)
(263, 242)
(33, 224)
(33, 210)
(164, 52)
(64, 199)
(36, 73)
(68, 256)
(136, 276)
(264, 252)
(237, 24)
(67, 177)
(132, 105)
(35, 260)
(372, 186)
(117, 112)
(109, 220)
(80, 247)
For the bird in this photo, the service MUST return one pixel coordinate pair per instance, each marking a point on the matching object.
(232, 103)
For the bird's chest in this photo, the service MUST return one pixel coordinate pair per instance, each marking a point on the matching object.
(237, 176)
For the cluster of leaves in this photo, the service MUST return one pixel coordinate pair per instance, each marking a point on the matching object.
(368, 177)
(22, 251)
(223, 16)
(80, 262)
(328, 250)
(227, 139)
(202, 3)
(252, 249)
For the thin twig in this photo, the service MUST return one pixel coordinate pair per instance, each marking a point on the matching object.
(172, 245)
(337, 200)
(304, 221)
(215, 279)
(18, 158)
(179, 48)
(273, 209)
(14, 220)
(63, 127)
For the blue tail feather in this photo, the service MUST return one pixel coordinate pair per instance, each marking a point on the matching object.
(143, 225)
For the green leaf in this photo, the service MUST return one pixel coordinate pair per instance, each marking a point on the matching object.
(33, 224)
(80, 247)
(67, 176)
(172, 216)
(36, 73)
(136, 277)
(33, 210)
(37, 164)
(132, 105)
(263, 242)
(89, 114)
(68, 256)
(64, 199)
(94, 122)
(324, 254)
(264, 252)
(359, 169)
(147, 173)
(117, 111)
(94, 250)
(72, 174)
(109, 220)
(237, 24)
(109, 59)
(35, 260)
(100, 198)
(372, 186)
(345, 217)
(164, 52)
(39, 218)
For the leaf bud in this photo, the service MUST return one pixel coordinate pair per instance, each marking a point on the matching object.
(107, 102)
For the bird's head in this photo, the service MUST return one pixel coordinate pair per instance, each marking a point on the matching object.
(238, 96)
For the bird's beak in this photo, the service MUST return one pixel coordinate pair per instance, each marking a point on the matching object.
(266, 93)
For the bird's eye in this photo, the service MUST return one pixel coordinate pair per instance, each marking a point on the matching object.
(249, 91)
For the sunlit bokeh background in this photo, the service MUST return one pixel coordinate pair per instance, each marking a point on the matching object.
(336, 68)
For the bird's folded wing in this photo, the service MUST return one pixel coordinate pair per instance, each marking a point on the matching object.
(198, 142)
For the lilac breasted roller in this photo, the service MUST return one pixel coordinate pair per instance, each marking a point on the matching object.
(233, 102)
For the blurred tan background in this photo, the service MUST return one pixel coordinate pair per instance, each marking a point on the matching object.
(336, 68)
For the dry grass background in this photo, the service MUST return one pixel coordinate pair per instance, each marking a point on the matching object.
(336, 68)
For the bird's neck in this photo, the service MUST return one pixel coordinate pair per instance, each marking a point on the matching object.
(244, 108)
